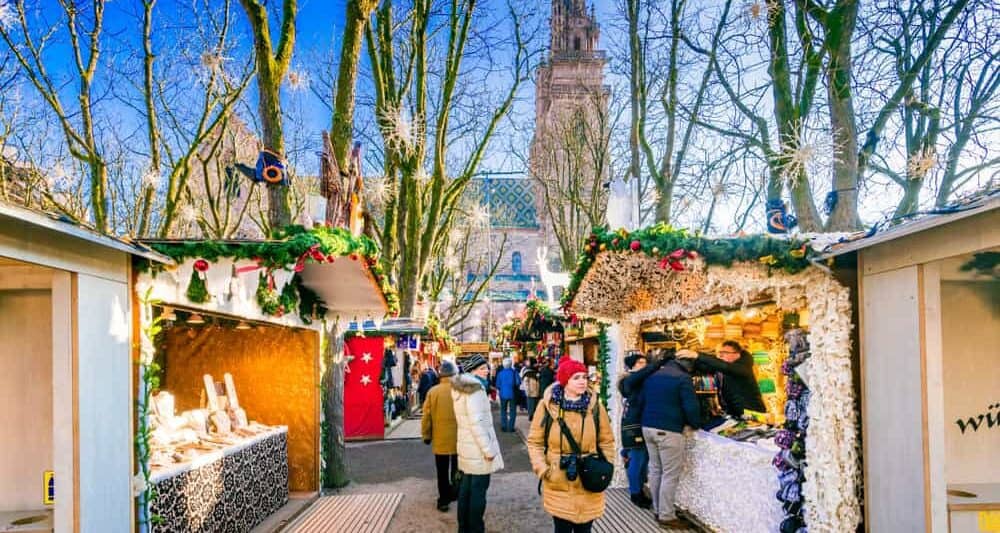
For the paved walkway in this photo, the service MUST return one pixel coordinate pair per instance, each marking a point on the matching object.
(406, 466)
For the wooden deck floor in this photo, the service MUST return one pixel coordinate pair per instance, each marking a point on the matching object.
(356, 513)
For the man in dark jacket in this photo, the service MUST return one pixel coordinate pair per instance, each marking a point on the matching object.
(546, 375)
(667, 403)
(428, 378)
(738, 389)
(508, 384)
(637, 369)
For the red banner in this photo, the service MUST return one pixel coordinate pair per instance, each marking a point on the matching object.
(363, 415)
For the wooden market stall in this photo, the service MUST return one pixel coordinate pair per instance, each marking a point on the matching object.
(930, 327)
(65, 380)
(385, 397)
(234, 376)
(794, 464)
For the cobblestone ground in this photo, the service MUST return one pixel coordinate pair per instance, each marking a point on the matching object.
(407, 466)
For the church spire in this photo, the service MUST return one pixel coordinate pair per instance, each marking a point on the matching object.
(574, 30)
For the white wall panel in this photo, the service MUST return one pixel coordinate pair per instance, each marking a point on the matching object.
(104, 405)
(892, 406)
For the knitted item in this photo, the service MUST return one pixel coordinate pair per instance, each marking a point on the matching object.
(579, 405)
(568, 367)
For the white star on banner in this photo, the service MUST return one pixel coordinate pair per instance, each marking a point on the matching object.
(365, 380)
(367, 357)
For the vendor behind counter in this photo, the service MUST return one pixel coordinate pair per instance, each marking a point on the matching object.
(738, 389)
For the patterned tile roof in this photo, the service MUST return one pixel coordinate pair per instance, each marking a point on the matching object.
(512, 201)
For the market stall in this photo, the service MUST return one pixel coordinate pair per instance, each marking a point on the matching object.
(65, 401)
(234, 366)
(791, 465)
(929, 306)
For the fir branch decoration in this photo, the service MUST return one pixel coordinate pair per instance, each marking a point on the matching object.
(196, 291)
(671, 247)
(294, 245)
(603, 358)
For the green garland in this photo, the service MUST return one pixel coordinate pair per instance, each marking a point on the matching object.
(290, 246)
(603, 358)
(150, 375)
(659, 241)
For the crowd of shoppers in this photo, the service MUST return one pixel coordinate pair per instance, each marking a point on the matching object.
(570, 429)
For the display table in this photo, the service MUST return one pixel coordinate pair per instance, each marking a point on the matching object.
(729, 485)
(230, 489)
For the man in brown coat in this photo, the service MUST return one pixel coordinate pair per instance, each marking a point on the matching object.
(440, 430)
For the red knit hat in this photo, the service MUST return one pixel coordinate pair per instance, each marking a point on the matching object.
(568, 367)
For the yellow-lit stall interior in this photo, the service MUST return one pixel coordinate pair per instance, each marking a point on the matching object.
(758, 329)
(275, 370)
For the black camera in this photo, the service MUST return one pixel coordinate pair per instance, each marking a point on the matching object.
(569, 463)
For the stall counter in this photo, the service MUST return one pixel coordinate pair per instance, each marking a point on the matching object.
(230, 489)
(728, 485)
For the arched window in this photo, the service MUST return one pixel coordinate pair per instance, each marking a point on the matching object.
(515, 262)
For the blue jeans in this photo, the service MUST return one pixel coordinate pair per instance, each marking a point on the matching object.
(638, 466)
(508, 413)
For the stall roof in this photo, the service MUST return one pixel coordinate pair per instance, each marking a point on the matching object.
(393, 326)
(345, 285)
(865, 239)
(66, 226)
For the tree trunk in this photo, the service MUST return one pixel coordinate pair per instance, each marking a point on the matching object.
(152, 129)
(99, 193)
(279, 210)
(335, 468)
(636, 84)
(840, 30)
(342, 129)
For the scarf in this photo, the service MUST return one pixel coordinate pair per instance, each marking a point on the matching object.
(484, 383)
(559, 398)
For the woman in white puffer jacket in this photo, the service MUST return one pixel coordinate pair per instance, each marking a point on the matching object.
(477, 446)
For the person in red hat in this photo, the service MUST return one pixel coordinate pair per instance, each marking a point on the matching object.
(570, 402)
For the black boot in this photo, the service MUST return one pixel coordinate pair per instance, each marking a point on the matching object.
(640, 500)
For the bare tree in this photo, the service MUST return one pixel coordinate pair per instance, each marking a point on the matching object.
(415, 104)
(28, 46)
(571, 164)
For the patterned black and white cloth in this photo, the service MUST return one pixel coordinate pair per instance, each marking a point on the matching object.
(233, 493)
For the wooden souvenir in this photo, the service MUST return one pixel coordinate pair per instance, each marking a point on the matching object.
(237, 415)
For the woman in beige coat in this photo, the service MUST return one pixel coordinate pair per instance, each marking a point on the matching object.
(572, 507)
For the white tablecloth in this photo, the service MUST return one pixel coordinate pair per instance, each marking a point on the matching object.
(730, 486)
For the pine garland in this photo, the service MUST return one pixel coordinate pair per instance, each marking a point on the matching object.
(292, 245)
(663, 242)
(603, 359)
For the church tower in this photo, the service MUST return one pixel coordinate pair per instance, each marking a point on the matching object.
(575, 67)
(571, 102)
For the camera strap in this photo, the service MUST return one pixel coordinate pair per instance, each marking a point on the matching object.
(569, 434)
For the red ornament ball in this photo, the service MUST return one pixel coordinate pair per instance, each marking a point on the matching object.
(635, 246)
(201, 265)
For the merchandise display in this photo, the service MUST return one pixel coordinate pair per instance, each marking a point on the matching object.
(185, 437)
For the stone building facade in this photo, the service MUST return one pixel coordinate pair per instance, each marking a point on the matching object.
(570, 84)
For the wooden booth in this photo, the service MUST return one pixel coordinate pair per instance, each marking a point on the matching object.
(65, 379)
(790, 465)
(930, 364)
(233, 372)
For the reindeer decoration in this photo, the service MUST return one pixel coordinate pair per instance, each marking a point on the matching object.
(550, 279)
